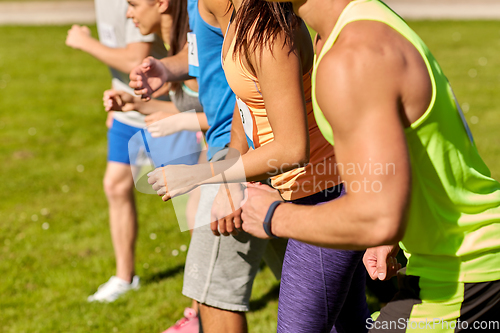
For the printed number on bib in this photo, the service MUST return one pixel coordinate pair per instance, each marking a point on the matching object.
(192, 49)
(247, 120)
(107, 35)
(467, 129)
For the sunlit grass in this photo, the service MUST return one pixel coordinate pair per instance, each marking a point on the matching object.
(55, 246)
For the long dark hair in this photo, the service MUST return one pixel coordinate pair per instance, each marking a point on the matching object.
(258, 23)
(178, 33)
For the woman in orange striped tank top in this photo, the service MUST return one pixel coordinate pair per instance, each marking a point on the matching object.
(267, 58)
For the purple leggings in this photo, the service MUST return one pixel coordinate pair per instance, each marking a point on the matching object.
(322, 290)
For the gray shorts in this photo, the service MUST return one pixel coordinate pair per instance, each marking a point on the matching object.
(220, 270)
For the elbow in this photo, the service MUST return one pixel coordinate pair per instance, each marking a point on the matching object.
(294, 160)
(305, 157)
(288, 157)
(299, 157)
(388, 231)
(385, 217)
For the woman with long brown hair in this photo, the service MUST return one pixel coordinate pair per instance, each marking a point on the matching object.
(267, 58)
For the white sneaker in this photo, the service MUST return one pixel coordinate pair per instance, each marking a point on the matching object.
(114, 288)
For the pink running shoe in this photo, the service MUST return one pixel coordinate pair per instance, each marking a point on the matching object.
(188, 324)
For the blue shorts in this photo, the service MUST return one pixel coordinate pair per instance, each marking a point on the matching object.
(126, 143)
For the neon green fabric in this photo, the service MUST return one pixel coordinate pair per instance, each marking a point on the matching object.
(453, 231)
(441, 304)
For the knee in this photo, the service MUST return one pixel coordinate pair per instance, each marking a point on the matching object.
(116, 188)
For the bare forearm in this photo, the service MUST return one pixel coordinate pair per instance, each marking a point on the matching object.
(153, 106)
(177, 66)
(192, 121)
(270, 160)
(202, 120)
(267, 161)
(345, 223)
(118, 58)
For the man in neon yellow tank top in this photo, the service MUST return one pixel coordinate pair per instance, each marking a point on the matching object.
(410, 167)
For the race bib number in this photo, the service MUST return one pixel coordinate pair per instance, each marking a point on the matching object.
(192, 49)
(247, 120)
(107, 35)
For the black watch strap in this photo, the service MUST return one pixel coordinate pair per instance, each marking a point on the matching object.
(269, 217)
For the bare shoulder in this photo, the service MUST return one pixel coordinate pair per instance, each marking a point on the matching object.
(215, 12)
(281, 50)
(362, 72)
(367, 46)
(379, 65)
(218, 8)
(276, 52)
(367, 54)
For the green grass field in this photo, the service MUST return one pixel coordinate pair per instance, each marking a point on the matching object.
(55, 246)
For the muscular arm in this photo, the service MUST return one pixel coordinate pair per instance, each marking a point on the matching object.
(358, 92)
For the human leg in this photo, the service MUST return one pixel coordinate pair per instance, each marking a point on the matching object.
(220, 271)
(219, 320)
(354, 313)
(316, 282)
(190, 322)
(118, 186)
(314, 286)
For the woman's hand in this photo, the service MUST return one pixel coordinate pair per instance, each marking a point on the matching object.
(78, 36)
(173, 180)
(117, 100)
(148, 77)
(226, 210)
